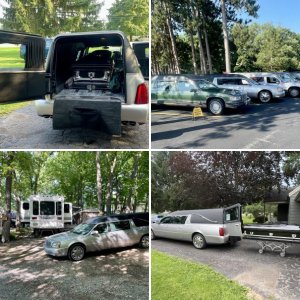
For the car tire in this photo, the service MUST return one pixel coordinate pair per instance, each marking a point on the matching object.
(216, 106)
(153, 236)
(264, 96)
(144, 242)
(199, 241)
(294, 92)
(76, 252)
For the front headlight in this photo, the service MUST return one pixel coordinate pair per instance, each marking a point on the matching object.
(55, 244)
(235, 98)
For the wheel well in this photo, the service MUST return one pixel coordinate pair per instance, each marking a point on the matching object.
(77, 243)
(294, 87)
(265, 91)
(196, 233)
(213, 98)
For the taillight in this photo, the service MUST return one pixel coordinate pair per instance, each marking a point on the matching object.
(141, 94)
(221, 231)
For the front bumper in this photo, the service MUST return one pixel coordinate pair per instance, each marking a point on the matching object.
(238, 103)
(279, 94)
(58, 252)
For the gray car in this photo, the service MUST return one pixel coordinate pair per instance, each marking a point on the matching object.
(100, 233)
(264, 92)
(284, 80)
(202, 226)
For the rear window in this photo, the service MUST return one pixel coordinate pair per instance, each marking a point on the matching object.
(47, 208)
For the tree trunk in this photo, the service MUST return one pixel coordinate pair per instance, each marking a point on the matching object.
(201, 53)
(99, 181)
(109, 185)
(207, 47)
(226, 38)
(8, 188)
(193, 52)
(133, 176)
(172, 39)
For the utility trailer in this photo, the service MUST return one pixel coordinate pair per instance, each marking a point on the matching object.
(274, 237)
(46, 213)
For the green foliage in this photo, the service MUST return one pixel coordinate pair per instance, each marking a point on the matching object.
(129, 16)
(266, 48)
(73, 175)
(189, 280)
(8, 107)
(292, 166)
(48, 17)
(255, 209)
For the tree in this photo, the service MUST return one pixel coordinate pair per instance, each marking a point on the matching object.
(130, 16)
(99, 180)
(49, 18)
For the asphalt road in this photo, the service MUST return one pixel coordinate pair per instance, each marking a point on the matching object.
(26, 272)
(268, 274)
(23, 129)
(274, 125)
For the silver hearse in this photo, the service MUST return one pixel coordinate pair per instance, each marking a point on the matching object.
(100, 233)
(202, 226)
(263, 92)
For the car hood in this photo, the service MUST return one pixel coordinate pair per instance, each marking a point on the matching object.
(64, 236)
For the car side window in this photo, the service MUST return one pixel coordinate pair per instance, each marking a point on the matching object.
(245, 82)
(272, 80)
(232, 214)
(184, 86)
(166, 220)
(101, 228)
(163, 86)
(121, 225)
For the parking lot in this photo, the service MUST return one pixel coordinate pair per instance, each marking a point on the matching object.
(26, 272)
(23, 129)
(268, 275)
(259, 126)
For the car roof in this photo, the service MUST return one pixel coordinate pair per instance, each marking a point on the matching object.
(96, 220)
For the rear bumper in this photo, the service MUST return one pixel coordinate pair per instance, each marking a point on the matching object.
(279, 95)
(129, 112)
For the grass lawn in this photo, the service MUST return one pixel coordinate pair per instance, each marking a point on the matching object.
(10, 57)
(8, 107)
(174, 278)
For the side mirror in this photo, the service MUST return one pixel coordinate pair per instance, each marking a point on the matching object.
(95, 233)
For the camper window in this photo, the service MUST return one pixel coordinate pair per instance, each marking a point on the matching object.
(58, 208)
(67, 208)
(25, 206)
(47, 208)
(35, 208)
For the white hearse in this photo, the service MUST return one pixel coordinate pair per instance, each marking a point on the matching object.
(202, 226)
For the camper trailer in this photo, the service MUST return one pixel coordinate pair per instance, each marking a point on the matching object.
(46, 212)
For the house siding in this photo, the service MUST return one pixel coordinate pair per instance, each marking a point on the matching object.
(294, 211)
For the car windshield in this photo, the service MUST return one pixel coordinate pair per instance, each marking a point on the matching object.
(83, 228)
(203, 84)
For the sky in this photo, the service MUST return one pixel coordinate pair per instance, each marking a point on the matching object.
(284, 13)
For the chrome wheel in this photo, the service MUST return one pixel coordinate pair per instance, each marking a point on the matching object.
(265, 96)
(76, 252)
(294, 92)
(145, 241)
(216, 106)
(199, 241)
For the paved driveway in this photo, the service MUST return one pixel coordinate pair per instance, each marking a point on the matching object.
(26, 272)
(23, 129)
(274, 125)
(267, 274)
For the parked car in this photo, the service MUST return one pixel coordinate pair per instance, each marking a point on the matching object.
(265, 93)
(283, 80)
(194, 90)
(100, 233)
(201, 227)
(48, 43)
(92, 80)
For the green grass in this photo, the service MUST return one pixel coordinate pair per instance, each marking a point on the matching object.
(10, 58)
(248, 219)
(8, 107)
(178, 279)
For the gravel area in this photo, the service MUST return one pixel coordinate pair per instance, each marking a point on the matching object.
(26, 272)
(23, 129)
(268, 274)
